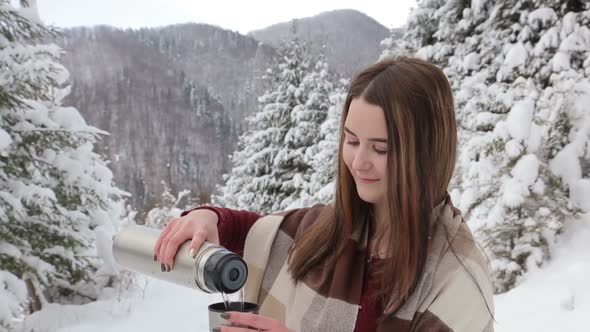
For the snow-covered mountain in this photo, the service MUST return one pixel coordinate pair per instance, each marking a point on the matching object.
(175, 98)
(349, 38)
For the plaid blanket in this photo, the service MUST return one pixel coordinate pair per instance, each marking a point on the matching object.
(448, 296)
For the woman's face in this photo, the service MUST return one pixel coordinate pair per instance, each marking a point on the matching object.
(365, 149)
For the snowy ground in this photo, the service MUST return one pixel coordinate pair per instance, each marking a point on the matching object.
(160, 306)
(555, 298)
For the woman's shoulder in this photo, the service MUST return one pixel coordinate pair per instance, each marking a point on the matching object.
(462, 252)
(459, 283)
(455, 245)
(297, 220)
(463, 269)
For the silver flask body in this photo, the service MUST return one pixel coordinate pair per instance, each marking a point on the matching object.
(214, 268)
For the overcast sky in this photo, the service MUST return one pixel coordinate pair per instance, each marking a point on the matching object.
(240, 15)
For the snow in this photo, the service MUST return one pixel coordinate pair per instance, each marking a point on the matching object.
(68, 118)
(104, 244)
(566, 165)
(519, 119)
(556, 297)
(152, 306)
(12, 201)
(477, 5)
(582, 100)
(542, 17)
(575, 42)
(514, 192)
(5, 141)
(472, 61)
(9, 249)
(31, 12)
(579, 193)
(549, 39)
(513, 148)
(560, 62)
(569, 23)
(32, 192)
(526, 169)
(516, 56)
(12, 292)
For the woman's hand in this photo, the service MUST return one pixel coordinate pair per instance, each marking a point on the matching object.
(199, 225)
(256, 323)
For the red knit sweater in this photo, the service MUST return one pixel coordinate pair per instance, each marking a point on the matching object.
(233, 226)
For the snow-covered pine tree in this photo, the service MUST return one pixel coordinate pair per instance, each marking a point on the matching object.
(323, 156)
(305, 134)
(520, 73)
(256, 181)
(57, 201)
(169, 207)
(419, 30)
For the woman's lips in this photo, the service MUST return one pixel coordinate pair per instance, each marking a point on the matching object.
(367, 180)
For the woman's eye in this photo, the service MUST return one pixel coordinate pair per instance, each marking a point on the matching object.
(354, 143)
(380, 151)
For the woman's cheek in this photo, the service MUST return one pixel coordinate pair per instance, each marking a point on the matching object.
(347, 156)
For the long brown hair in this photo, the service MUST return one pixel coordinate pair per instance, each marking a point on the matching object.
(417, 102)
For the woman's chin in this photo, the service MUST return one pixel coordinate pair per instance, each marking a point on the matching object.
(367, 198)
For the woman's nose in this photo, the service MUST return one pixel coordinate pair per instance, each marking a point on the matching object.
(361, 161)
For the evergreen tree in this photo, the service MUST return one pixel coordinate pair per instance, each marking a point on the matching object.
(305, 133)
(56, 194)
(169, 207)
(256, 179)
(519, 69)
(323, 156)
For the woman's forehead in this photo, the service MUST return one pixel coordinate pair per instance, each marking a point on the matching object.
(366, 119)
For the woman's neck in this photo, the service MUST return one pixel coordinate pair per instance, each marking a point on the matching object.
(381, 226)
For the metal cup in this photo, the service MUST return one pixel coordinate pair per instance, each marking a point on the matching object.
(216, 309)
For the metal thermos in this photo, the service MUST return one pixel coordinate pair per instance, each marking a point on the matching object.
(214, 269)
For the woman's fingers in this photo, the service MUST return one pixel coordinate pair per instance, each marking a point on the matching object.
(178, 231)
(233, 329)
(253, 320)
(198, 238)
(160, 241)
(175, 240)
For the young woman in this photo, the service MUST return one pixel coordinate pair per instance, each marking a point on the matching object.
(391, 253)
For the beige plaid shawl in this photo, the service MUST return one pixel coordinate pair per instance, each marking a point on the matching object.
(448, 296)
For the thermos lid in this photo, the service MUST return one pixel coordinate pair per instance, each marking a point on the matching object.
(229, 273)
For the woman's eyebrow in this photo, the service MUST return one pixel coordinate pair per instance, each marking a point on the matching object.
(373, 139)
